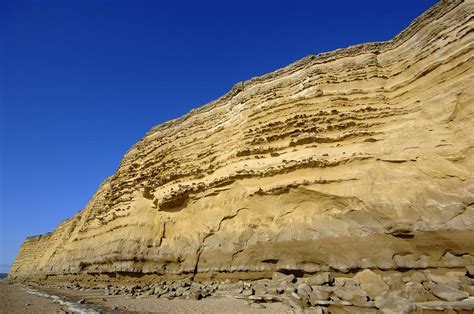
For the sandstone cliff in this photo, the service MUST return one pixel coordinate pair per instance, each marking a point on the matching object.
(357, 158)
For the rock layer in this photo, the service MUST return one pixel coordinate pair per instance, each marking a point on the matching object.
(353, 159)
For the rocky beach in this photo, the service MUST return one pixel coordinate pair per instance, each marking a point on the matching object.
(425, 291)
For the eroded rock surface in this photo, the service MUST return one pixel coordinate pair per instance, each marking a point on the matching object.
(349, 293)
(360, 158)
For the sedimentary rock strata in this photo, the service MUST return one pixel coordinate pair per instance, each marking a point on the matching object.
(360, 158)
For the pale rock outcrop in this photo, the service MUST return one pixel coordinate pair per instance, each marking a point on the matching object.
(372, 283)
(353, 159)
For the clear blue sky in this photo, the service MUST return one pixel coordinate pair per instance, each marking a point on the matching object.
(82, 81)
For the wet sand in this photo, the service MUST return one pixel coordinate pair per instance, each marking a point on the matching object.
(152, 304)
(14, 299)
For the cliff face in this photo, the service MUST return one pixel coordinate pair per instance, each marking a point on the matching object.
(357, 158)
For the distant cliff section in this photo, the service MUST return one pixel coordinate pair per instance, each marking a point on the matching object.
(358, 158)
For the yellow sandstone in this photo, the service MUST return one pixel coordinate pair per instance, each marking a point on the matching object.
(358, 158)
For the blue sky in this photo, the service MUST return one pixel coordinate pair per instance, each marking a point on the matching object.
(82, 81)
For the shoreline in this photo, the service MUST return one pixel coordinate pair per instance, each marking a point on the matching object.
(422, 291)
(97, 301)
(15, 299)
